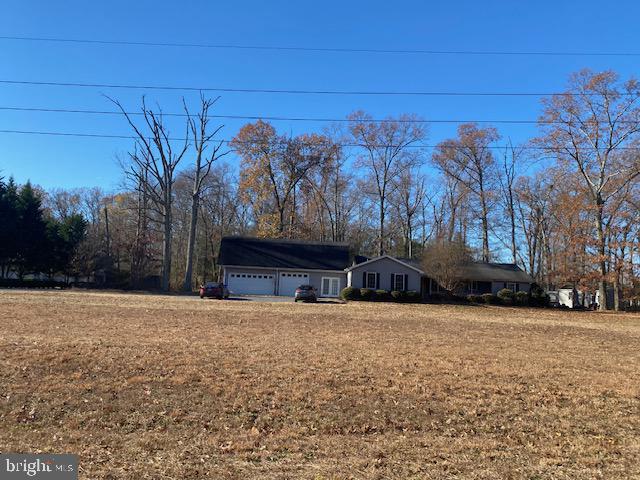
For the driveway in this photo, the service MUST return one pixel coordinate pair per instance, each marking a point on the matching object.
(268, 299)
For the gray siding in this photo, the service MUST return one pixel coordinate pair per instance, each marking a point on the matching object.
(385, 267)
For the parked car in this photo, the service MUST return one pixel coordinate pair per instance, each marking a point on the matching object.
(306, 293)
(214, 290)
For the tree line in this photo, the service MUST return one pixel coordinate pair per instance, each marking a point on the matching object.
(562, 205)
(32, 241)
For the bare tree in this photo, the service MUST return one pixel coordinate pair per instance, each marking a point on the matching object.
(588, 127)
(203, 162)
(443, 262)
(155, 157)
(410, 191)
(385, 154)
(507, 178)
(469, 160)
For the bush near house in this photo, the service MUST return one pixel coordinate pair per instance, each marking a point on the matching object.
(521, 298)
(490, 299)
(538, 297)
(475, 298)
(382, 296)
(367, 294)
(350, 293)
(412, 296)
(505, 296)
(398, 296)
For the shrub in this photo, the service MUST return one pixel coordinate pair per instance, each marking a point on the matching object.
(538, 297)
(475, 298)
(398, 296)
(411, 296)
(350, 293)
(505, 296)
(436, 297)
(367, 294)
(521, 298)
(382, 296)
(489, 298)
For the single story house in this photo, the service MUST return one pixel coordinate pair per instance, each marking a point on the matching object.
(256, 266)
(253, 266)
(391, 273)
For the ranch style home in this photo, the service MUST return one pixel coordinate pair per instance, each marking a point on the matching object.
(255, 266)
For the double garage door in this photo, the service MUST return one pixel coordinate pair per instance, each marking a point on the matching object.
(251, 283)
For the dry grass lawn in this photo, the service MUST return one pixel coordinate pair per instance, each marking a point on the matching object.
(144, 386)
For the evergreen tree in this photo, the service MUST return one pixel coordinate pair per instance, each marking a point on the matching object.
(32, 229)
(8, 225)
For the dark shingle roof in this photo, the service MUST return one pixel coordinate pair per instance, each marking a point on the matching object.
(496, 272)
(482, 271)
(278, 253)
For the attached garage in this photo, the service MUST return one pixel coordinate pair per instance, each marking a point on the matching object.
(251, 283)
(261, 266)
(289, 281)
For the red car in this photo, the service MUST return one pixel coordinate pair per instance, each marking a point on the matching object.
(214, 290)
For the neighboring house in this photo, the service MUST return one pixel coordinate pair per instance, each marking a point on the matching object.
(253, 266)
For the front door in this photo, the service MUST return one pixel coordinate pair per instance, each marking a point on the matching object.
(330, 287)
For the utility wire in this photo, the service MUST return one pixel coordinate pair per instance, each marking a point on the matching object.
(226, 141)
(292, 119)
(320, 49)
(295, 92)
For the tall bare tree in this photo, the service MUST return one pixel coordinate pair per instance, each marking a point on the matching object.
(156, 157)
(507, 178)
(202, 137)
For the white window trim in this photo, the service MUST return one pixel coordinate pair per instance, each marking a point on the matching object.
(375, 280)
(395, 282)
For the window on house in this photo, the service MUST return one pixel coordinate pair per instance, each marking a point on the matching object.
(512, 286)
(398, 282)
(371, 280)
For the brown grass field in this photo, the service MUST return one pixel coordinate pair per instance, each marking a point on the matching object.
(170, 387)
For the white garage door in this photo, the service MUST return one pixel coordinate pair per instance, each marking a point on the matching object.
(251, 283)
(289, 281)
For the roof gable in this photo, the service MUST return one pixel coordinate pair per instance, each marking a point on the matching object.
(278, 253)
(388, 257)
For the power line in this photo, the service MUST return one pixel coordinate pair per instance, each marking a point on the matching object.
(294, 92)
(320, 49)
(292, 119)
(226, 141)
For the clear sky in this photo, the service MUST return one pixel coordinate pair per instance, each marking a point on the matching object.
(584, 26)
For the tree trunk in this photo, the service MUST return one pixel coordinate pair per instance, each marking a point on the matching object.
(381, 238)
(166, 243)
(188, 273)
(485, 229)
(602, 261)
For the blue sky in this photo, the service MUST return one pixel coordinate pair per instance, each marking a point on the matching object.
(464, 25)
